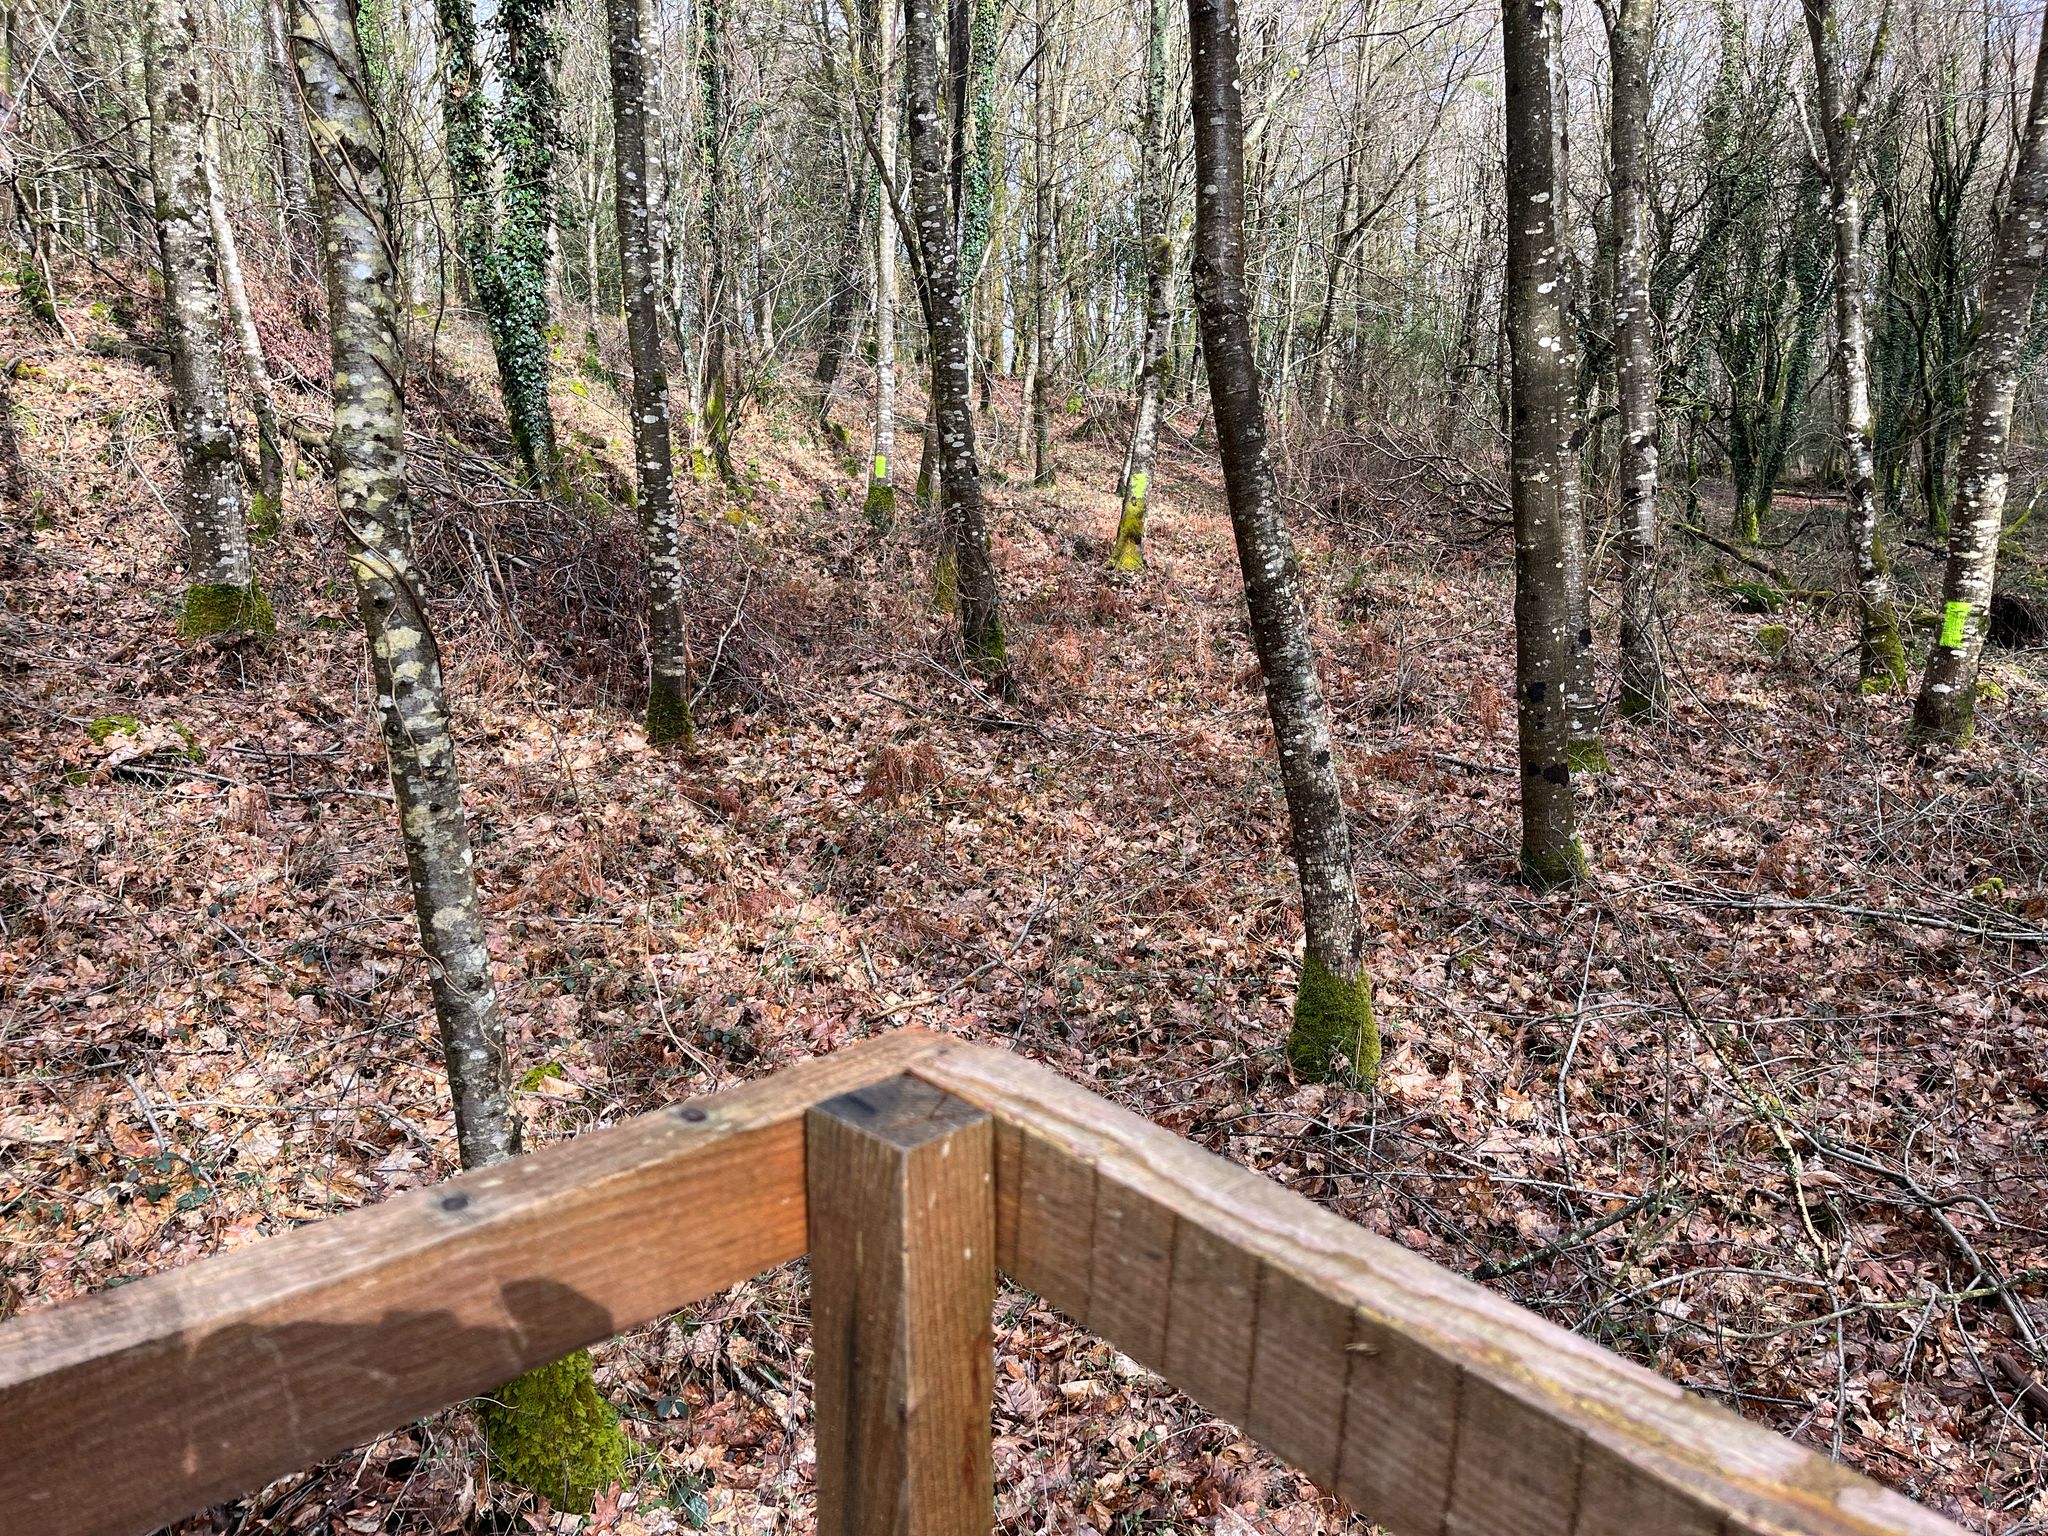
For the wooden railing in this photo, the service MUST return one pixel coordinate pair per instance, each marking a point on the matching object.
(910, 1168)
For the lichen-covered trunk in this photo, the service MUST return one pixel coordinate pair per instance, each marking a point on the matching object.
(952, 393)
(1333, 1021)
(1945, 709)
(1643, 688)
(1881, 661)
(1540, 398)
(368, 450)
(1582, 692)
(1127, 553)
(262, 398)
(880, 502)
(549, 1430)
(220, 588)
(1043, 470)
(668, 670)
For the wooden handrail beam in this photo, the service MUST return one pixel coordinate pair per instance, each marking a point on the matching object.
(1434, 1406)
(1429, 1403)
(132, 1407)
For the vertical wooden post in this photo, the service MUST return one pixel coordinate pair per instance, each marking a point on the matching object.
(902, 1218)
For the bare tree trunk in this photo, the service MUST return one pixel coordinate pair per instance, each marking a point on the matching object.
(952, 390)
(1945, 711)
(1630, 25)
(262, 398)
(1128, 552)
(668, 657)
(1540, 395)
(1881, 660)
(550, 1429)
(220, 588)
(1333, 1020)
(880, 503)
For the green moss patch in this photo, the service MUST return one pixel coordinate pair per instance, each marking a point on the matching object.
(220, 610)
(1333, 1026)
(552, 1431)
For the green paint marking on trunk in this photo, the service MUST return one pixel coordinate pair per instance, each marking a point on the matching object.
(1955, 618)
(881, 466)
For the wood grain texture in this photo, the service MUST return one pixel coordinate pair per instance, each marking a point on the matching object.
(1457, 1403)
(903, 1230)
(130, 1408)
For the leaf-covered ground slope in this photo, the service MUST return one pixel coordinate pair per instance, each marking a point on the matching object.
(1763, 1106)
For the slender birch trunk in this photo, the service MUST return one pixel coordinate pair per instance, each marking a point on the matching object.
(880, 502)
(720, 285)
(952, 390)
(550, 1430)
(1540, 402)
(1043, 470)
(1630, 26)
(1333, 1020)
(221, 593)
(1945, 711)
(262, 397)
(1127, 553)
(293, 151)
(668, 657)
(1881, 660)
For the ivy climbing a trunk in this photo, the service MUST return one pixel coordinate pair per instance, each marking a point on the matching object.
(1333, 1019)
(1127, 553)
(1881, 660)
(221, 594)
(503, 232)
(1540, 398)
(550, 1430)
(668, 687)
(965, 520)
(1945, 711)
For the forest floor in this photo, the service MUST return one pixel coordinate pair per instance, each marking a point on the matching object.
(1737, 1108)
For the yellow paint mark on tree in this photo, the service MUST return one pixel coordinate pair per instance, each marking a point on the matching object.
(881, 466)
(1955, 618)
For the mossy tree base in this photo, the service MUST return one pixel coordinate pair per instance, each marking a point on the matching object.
(668, 716)
(1883, 668)
(1588, 754)
(1638, 707)
(220, 610)
(880, 507)
(1334, 1029)
(1556, 870)
(552, 1431)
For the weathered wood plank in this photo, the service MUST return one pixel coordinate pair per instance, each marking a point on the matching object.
(1437, 1357)
(903, 1276)
(130, 1408)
